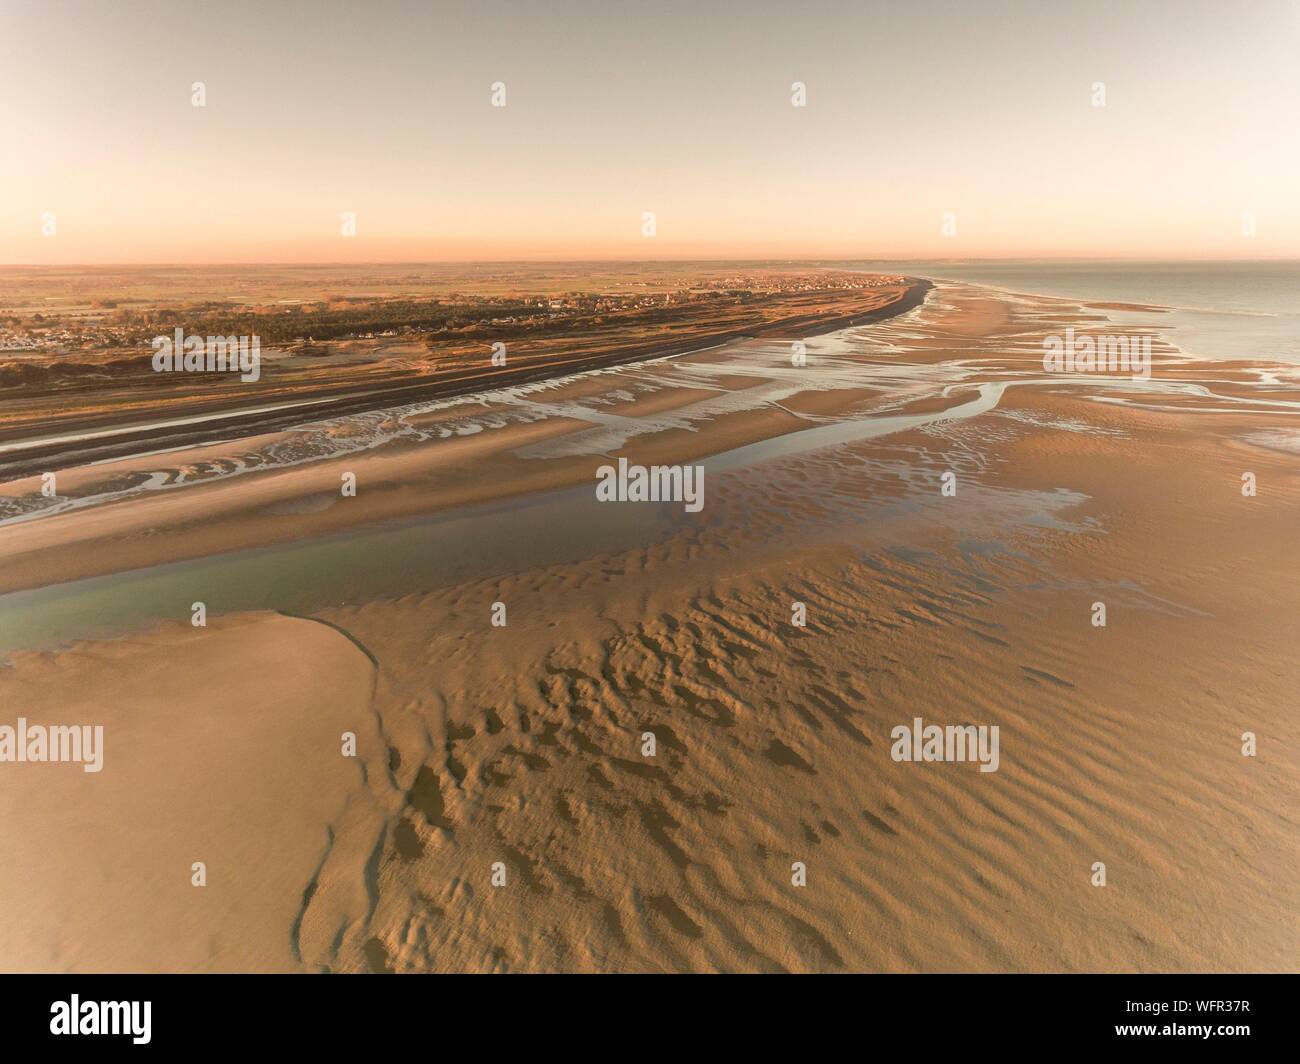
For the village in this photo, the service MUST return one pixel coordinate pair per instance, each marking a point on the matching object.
(104, 324)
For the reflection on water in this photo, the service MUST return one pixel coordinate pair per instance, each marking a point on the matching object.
(739, 377)
(1216, 310)
(344, 569)
(570, 525)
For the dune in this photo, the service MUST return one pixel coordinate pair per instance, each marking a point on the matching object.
(222, 745)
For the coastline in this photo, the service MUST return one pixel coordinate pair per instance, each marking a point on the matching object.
(256, 505)
(480, 744)
(77, 440)
(1219, 310)
(477, 461)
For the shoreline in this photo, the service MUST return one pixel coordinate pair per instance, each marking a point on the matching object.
(21, 459)
(268, 507)
(521, 745)
(1191, 319)
(424, 485)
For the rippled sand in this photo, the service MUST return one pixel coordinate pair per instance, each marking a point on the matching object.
(522, 745)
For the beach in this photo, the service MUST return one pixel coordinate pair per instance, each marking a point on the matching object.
(948, 514)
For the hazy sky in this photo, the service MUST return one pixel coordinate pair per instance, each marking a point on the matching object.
(619, 107)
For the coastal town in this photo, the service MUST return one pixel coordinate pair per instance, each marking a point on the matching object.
(102, 324)
(74, 364)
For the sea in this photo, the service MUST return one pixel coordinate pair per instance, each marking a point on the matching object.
(1216, 310)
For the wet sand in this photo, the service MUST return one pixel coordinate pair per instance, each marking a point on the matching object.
(523, 744)
(58, 412)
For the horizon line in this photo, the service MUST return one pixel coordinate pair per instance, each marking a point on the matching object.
(957, 260)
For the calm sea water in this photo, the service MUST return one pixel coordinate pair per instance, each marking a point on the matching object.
(1223, 310)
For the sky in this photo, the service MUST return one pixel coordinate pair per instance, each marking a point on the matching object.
(931, 130)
